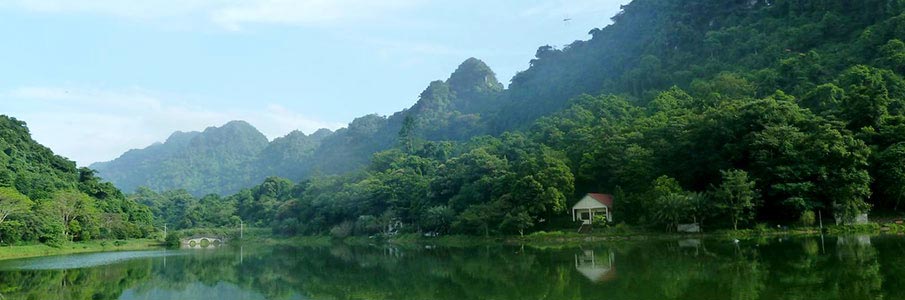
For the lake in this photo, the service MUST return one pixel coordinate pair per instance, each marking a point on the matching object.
(854, 267)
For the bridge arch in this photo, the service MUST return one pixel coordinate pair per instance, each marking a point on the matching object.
(202, 242)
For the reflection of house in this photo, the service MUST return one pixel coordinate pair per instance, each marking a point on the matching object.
(596, 269)
(856, 240)
(591, 205)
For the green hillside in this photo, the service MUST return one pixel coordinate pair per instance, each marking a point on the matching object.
(45, 198)
(728, 113)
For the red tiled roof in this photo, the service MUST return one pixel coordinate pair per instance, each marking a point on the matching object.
(605, 199)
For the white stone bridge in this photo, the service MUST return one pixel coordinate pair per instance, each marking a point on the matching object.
(202, 242)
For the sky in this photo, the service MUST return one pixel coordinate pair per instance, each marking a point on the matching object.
(95, 78)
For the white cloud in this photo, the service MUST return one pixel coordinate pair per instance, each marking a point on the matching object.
(572, 8)
(90, 125)
(303, 12)
(230, 14)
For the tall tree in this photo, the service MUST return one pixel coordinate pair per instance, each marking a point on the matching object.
(12, 202)
(69, 206)
(737, 196)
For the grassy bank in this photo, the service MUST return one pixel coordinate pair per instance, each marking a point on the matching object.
(567, 238)
(558, 238)
(35, 250)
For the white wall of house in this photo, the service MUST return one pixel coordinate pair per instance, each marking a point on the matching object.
(587, 208)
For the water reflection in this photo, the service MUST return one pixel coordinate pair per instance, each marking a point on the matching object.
(856, 267)
(596, 269)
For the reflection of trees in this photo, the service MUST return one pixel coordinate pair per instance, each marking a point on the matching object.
(743, 276)
(106, 282)
(856, 272)
(802, 269)
(780, 269)
(890, 252)
(846, 269)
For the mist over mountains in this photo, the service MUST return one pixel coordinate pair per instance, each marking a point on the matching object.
(225, 159)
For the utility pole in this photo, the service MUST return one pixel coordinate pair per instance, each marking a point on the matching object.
(820, 217)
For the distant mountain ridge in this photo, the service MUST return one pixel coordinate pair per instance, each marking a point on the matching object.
(190, 160)
(223, 160)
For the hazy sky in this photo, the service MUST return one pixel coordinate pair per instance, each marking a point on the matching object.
(94, 78)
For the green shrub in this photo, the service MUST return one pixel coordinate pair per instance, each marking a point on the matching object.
(856, 228)
(807, 218)
(600, 221)
(342, 230)
(621, 228)
(761, 228)
(173, 240)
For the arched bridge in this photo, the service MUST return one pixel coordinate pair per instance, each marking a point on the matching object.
(203, 242)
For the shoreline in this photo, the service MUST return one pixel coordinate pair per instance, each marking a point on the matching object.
(538, 239)
(41, 250)
(568, 239)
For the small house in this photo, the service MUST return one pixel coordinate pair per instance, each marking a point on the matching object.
(591, 205)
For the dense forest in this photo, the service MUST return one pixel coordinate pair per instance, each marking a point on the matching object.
(720, 112)
(45, 198)
(726, 113)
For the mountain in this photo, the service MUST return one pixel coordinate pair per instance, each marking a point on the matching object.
(735, 112)
(290, 156)
(29, 166)
(222, 160)
(714, 50)
(216, 160)
(655, 44)
(729, 113)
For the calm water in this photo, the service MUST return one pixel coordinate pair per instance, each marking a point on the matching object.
(804, 268)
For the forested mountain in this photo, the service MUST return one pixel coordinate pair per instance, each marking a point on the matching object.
(721, 112)
(219, 159)
(44, 197)
(222, 160)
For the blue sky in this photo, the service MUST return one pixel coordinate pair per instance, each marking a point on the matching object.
(94, 78)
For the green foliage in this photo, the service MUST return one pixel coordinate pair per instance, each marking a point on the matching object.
(12, 202)
(808, 218)
(438, 219)
(45, 198)
(75, 211)
(173, 239)
(670, 204)
(871, 228)
(801, 102)
(737, 196)
(343, 230)
(891, 175)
